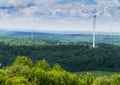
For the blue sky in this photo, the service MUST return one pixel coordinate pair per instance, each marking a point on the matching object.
(59, 15)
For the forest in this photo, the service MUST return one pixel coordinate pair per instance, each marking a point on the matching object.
(23, 72)
(73, 58)
(25, 61)
(42, 62)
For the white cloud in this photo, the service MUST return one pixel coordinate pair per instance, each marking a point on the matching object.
(3, 1)
(26, 2)
(46, 2)
(50, 8)
(50, 15)
(19, 2)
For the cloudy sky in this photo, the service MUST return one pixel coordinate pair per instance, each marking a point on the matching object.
(59, 15)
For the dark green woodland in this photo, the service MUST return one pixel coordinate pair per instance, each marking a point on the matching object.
(72, 57)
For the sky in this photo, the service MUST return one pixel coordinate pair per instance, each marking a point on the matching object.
(59, 15)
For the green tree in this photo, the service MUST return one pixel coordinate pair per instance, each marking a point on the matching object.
(39, 76)
(43, 65)
(57, 67)
(102, 81)
(89, 78)
(115, 79)
(2, 77)
(82, 80)
(18, 70)
(17, 81)
(23, 60)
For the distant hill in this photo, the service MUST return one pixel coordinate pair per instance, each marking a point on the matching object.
(76, 37)
(27, 41)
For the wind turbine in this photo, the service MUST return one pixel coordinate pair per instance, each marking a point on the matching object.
(94, 28)
(32, 35)
(110, 33)
(31, 19)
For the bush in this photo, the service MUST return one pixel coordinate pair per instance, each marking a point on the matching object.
(89, 79)
(115, 79)
(2, 77)
(18, 70)
(102, 81)
(17, 81)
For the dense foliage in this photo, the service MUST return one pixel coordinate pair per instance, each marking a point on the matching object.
(24, 72)
(28, 41)
(73, 58)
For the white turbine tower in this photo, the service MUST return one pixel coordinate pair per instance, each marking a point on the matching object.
(31, 19)
(28, 12)
(32, 35)
(94, 28)
(110, 33)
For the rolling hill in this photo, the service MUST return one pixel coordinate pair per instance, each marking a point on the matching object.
(66, 36)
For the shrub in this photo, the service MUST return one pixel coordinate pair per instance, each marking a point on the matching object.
(115, 79)
(102, 81)
(17, 81)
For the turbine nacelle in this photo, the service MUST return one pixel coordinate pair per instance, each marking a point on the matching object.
(95, 15)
